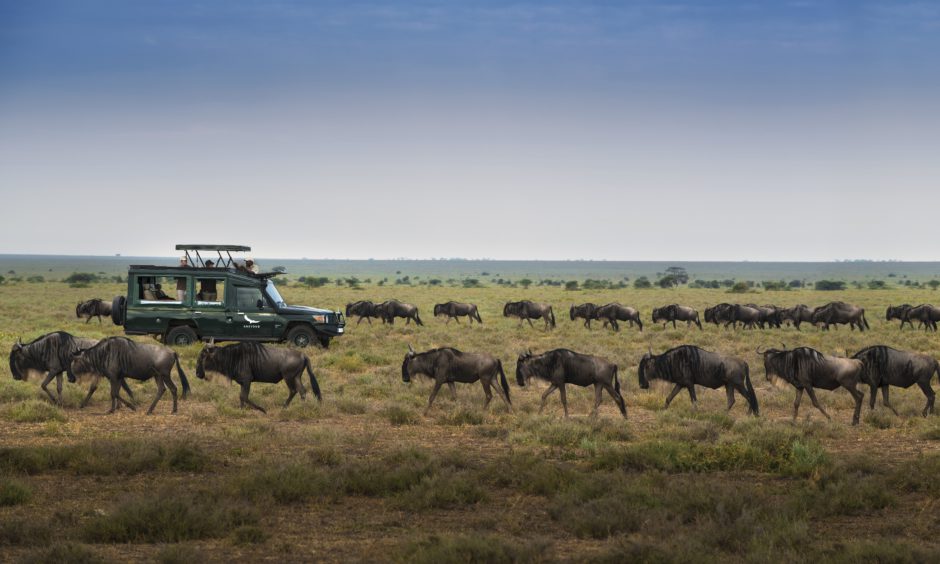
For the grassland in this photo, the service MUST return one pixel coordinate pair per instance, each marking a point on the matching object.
(367, 476)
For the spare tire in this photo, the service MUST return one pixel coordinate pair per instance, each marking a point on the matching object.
(118, 309)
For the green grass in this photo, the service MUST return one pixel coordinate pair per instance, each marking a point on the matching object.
(107, 457)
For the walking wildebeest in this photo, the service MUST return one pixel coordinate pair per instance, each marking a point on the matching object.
(885, 366)
(926, 314)
(448, 365)
(749, 317)
(583, 311)
(676, 312)
(797, 315)
(898, 312)
(769, 315)
(363, 309)
(807, 369)
(721, 313)
(95, 307)
(453, 310)
(118, 358)
(613, 312)
(687, 366)
(52, 353)
(835, 313)
(560, 367)
(526, 310)
(391, 309)
(249, 362)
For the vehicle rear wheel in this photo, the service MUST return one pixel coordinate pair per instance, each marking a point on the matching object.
(181, 336)
(301, 336)
(118, 305)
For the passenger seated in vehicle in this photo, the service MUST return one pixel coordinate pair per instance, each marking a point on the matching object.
(160, 294)
(207, 290)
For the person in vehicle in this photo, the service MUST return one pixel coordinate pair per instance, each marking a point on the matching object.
(181, 282)
(250, 266)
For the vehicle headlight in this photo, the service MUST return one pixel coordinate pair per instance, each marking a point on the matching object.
(319, 318)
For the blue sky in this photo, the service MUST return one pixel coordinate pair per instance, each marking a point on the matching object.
(607, 130)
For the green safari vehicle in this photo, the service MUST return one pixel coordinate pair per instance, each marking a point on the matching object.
(217, 300)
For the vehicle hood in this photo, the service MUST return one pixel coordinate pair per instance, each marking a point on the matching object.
(303, 310)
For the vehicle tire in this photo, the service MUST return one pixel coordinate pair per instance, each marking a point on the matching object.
(118, 309)
(181, 336)
(301, 336)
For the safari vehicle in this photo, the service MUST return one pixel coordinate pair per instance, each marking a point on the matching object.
(221, 301)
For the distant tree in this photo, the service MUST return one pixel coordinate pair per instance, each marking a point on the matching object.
(830, 285)
(796, 283)
(2, 279)
(525, 283)
(775, 286)
(380, 283)
(679, 274)
(81, 278)
(878, 285)
(35, 279)
(739, 288)
(314, 281)
(352, 282)
(642, 283)
(434, 281)
(727, 283)
(571, 285)
(668, 281)
(934, 284)
(471, 283)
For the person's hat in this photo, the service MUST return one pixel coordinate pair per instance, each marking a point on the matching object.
(249, 259)
(210, 263)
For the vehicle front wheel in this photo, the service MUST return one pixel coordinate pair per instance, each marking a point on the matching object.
(180, 336)
(301, 336)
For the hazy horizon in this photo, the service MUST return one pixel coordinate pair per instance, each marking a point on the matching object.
(562, 130)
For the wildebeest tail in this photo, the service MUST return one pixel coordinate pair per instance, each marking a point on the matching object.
(751, 395)
(418, 317)
(865, 321)
(616, 379)
(476, 313)
(502, 380)
(183, 380)
(313, 380)
(551, 314)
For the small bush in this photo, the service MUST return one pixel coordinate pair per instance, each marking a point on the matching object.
(22, 532)
(71, 553)
(442, 491)
(13, 492)
(33, 411)
(446, 549)
(104, 458)
(250, 534)
(400, 415)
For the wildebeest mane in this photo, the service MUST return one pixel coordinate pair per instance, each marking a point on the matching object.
(411, 357)
(678, 360)
(792, 364)
(245, 357)
(38, 353)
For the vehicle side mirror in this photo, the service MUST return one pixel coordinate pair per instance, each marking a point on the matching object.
(260, 304)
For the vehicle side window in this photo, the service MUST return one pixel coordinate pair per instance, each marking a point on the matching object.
(210, 291)
(163, 290)
(247, 298)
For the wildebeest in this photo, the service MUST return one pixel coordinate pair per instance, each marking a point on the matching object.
(721, 313)
(836, 313)
(749, 317)
(118, 358)
(453, 310)
(807, 369)
(687, 366)
(898, 312)
(926, 314)
(676, 312)
(52, 353)
(613, 312)
(363, 309)
(448, 365)
(389, 310)
(583, 311)
(95, 307)
(769, 315)
(249, 362)
(560, 367)
(885, 366)
(797, 315)
(527, 310)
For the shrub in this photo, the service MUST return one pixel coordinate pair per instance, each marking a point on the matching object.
(33, 411)
(71, 553)
(830, 285)
(442, 491)
(13, 492)
(446, 549)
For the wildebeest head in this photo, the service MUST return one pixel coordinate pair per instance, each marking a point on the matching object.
(79, 365)
(896, 312)
(406, 364)
(17, 360)
(439, 309)
(523, 369)
(647, 366)
(207, 358)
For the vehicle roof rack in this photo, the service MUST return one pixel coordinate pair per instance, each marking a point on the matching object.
(225, 261)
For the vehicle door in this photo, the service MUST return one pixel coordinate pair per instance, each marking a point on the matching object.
(210, 313)
(252, 316)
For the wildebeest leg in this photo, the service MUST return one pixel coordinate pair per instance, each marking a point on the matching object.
(618, 399)
(489, 394)
(91, 390)
(551, 388)
(115, 394)
(692, 395)
(530, 321)
(453, 390)
(730, 391)
(407, 321)
(796, 402)
(172, 387)
(564, 398)
(812, 397)
(872, 396)
(161, 387)
(675, 391)
(292, 386)
(597, 398)
(437, 386)
(45, 382)
(928, 391)
(360, 321)
(884, 399)
(243, 397)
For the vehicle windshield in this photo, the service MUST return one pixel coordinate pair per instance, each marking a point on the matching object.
(275, 296)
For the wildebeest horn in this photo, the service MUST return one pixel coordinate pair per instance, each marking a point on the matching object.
(784, 345)
(411, 349)
(757, 350)
(211, 341)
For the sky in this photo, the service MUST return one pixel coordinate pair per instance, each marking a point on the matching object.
(617, 130)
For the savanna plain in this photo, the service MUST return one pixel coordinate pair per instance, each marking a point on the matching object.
(368, 476)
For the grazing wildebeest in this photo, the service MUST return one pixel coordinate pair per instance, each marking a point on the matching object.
(249, 362)
(583, 311)
(748, 316)
(118, 358)
(926, 314)
(885, 366)
(95, 307)
(51, 353)
(526, 310)
(687, 366)
(797, 315)
(807, 369)
(613, 312)
(769, 315)
(719, 314)
(391, 309)
(363, 309)
(676, 312)
(898, 312)
(560, 367)
(453, 310)
(448, 365)
(835, 313)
